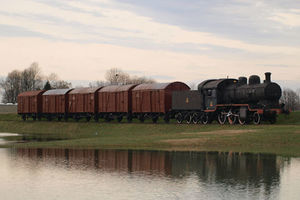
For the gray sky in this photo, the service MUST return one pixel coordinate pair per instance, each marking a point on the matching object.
(165, 39)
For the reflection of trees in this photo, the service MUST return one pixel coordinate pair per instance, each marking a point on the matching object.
(231, 169)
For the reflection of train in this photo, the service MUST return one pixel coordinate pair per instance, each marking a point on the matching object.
(244, 169)
(224, 100)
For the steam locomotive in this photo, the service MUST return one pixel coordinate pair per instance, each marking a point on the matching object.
(229, 100)
(224, 100)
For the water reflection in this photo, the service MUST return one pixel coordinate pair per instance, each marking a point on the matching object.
(164, 175)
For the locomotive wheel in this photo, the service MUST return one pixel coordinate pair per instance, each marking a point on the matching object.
(195, 118)
(222, 118)
(179, 118)
(242, 121)
(256, 118)
(232, 119)
(205, 119)
(189, 118)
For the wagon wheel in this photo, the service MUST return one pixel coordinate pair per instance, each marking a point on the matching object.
(222, 118)
(119, 119)
(179, 118)
(129, 119)
(167, 119)
(49, 118)
(232, 119)
(66, 118)
(142, 118)
(189, 118)
(154, 119)
(88, 118)
(195, 118)
(256, 118)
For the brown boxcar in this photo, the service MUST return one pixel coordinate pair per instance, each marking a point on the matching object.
(154, 99)
(30, 104)
(83, 102)
(55, 103)
(115, 100)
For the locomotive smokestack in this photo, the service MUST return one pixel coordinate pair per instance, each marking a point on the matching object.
(268, 77)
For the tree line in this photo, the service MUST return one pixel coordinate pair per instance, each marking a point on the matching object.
(32, 78)
(28, 79)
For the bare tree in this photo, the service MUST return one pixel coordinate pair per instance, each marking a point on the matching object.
(98, 84)
(140, 80)
(116, 76)
(57, 83)
(31, 78)
(291, 99)
(11, 86)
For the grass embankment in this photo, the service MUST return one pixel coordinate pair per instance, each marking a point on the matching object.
(282, 138)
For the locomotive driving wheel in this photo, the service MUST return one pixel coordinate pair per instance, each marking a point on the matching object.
(241, 120)
(222, 118)
(232, 119)
(256, 118)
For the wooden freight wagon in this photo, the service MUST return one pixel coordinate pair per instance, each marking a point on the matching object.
(55, 104)
(83, 102)
(115, 101)
(30, 104)
(154, 100)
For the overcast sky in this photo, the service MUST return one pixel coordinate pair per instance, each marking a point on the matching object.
(165, 39)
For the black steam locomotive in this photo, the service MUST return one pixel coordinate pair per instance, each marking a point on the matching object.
(229, 100)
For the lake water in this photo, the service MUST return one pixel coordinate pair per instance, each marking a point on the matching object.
(112, 174)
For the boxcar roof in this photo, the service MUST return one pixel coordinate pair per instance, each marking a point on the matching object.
(117, 88)
(31, 93)
(57, 92)
(156, 86)
(84, 90)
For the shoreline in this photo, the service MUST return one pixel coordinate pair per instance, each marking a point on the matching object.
(282, 138)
